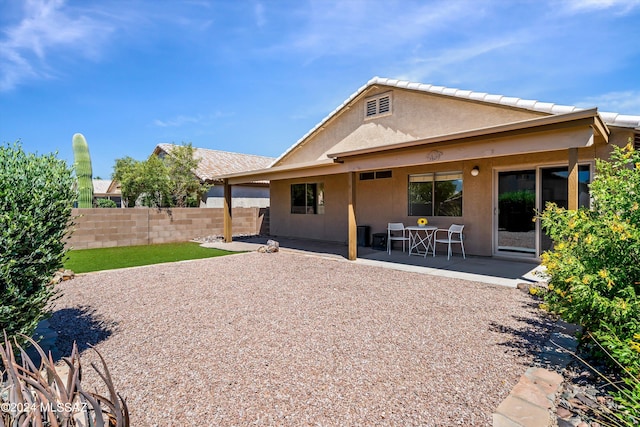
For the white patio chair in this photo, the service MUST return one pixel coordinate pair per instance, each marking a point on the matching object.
(454, 236)
(393, 230)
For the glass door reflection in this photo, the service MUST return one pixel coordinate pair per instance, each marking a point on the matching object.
(516, 232)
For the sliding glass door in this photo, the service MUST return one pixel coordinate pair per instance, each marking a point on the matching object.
(516, 210)
(520, 194)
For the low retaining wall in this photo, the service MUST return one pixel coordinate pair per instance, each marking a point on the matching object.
(101, 228)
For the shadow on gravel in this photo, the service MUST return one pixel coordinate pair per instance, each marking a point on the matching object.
(79, 324)
(531, 336)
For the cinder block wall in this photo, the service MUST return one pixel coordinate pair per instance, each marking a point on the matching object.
(101, 228)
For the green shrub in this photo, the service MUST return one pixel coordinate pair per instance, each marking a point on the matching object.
(106, 203)
(594, 266)
(595, 263)
(594, 270)
(520, 198)
(36, 196)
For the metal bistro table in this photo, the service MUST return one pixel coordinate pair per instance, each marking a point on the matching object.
(421, 239)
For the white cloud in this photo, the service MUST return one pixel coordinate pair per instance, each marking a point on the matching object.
(618, 6)
(364, 28)
(259, 12)
(200, 119)
(46, 27)
(623, 102)
(542, 56)
(177, 121)
(424, 69)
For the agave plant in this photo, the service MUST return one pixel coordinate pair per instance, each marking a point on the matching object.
(50, 395)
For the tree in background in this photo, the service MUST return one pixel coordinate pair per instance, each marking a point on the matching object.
(36, 197)
(126, 173)
(185, 187)
(160, 182)
(156, 183)
(145, 182)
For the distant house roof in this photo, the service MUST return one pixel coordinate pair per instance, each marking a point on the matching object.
(611, 119)
(215, 163)
(101, 186)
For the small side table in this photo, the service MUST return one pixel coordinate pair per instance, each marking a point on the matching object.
(421, 239)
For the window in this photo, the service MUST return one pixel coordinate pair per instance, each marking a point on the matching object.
(307, 198)
(435, 194)
(365, 176)
(377, 106)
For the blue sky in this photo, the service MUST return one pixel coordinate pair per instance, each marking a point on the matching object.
(254, 76)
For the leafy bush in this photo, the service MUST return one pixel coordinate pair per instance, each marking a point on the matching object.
(106, 203)
(595, 263)
(594, 266)
(36, 196)
(519, 198)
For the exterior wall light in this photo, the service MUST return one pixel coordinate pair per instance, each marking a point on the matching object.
(475, 171)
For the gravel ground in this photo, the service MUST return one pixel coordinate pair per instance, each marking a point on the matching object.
(291, 339)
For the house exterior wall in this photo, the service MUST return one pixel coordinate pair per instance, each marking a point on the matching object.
(415, 116)
(380, 201)
(330, 226)
(242, 197)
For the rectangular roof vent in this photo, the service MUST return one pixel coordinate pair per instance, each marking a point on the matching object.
(377, 106)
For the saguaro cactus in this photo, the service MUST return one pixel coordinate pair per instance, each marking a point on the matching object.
(82, 165)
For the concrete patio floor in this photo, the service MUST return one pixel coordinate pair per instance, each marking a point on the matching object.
(497, 271)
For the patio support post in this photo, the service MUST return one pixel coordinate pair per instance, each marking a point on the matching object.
(228, 219)
(573, 180)
(352, 228)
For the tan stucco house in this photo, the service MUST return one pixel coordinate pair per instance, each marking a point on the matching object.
(396, 151)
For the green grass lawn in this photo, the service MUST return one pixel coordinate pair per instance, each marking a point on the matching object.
(86, 260)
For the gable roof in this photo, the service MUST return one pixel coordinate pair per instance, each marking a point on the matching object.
(611, 119)
(101, 186)
(106, 186)
(214, 163)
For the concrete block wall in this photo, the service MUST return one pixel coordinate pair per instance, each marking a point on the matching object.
(100, 228)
